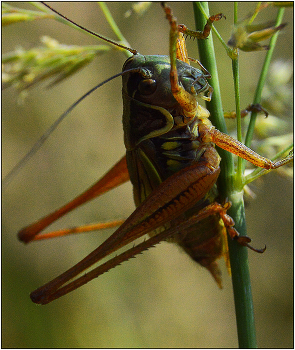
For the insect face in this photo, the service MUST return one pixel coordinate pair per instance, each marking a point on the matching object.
(150, 108)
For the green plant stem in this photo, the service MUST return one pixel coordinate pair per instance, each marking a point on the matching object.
(207, 56)
(258, 172)
(238, 254)
(262, 79)
(54, 16)
(114, 26)
(109, 18)
(236, 77)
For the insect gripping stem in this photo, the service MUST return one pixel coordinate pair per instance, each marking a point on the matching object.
(172, 164)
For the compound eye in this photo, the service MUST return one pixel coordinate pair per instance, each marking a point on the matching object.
(147, 86)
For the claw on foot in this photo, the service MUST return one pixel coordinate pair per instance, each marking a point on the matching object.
(244, 241)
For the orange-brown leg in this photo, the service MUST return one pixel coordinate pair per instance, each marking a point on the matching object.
(244, 112)
(201, 34)
(229, 223)
(116, 176)
(228, 143)
(78, 229)
(172, 197)
(58, 287)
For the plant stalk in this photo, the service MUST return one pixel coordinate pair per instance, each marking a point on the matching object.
(226, 183)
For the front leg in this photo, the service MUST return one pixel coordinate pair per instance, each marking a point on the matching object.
(209, 134)
(256, 108)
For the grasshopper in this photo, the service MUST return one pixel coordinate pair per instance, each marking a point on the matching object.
(173, 166)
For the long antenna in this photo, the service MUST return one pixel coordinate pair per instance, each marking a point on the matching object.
(133, 51)
(15, 170)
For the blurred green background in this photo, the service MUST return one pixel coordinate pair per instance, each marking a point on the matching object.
(161, 298)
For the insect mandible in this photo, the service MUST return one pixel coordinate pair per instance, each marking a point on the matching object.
(173, 166)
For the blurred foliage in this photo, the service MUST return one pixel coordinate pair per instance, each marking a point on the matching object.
(161, 298)
(25, 68)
